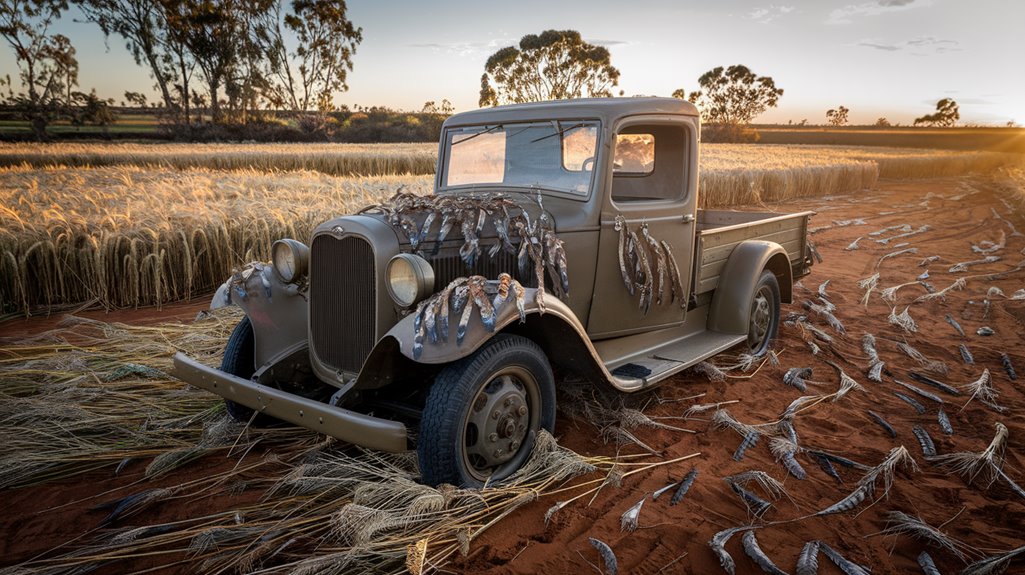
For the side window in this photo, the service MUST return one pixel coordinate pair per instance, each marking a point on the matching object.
(635, 154)
(650, 163)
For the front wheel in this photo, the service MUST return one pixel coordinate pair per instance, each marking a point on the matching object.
(483, 413)
(239, 360)
(764, 318)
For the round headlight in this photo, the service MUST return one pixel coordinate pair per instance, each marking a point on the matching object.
(291, 259)
(410, 279)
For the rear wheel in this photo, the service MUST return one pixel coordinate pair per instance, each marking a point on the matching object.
(764, 318)
(239, 360)
(483, 413)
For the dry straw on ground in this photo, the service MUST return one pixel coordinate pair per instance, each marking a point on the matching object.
(93, 397)
(127, 236)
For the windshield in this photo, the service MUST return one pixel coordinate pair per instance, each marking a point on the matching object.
(551, 155)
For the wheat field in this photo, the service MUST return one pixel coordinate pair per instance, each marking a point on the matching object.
(334, 159)
(115, 234)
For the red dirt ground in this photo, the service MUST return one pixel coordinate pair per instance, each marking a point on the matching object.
(674, 539)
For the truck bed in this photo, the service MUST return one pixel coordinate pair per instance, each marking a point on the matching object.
(719, 231)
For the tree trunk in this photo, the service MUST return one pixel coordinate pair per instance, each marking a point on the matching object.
(39, 124)
(215, 105)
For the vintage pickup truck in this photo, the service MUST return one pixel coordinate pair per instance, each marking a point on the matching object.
(562, 237)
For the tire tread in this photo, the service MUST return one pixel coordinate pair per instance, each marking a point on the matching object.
(442, 414)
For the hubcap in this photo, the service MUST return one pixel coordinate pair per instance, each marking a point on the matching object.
(761, 316)
(499, 420)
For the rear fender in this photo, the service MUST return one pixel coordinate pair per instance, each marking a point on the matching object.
(730, 311)
(557, 331)
(277, 310)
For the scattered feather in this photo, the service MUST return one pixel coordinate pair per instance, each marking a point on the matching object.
(709, 370)
(966, 355)
(882, 423)
(944, 421)
(826, 465)
(912, 402)
(848, 567)
(756, 554)
(607, 556)
(795, 376)
(926, 394)
(750, 440)
(932, 382)
(718, 546)
(628, 522)
(924, 440)
(755, 504)
(684, 487)
(659, 492)
(927, 564)
(1005, 360)
(808, 560)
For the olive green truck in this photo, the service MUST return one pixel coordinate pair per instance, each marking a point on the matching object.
(562, 239)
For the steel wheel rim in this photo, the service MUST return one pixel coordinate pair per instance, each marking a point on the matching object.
(761, 317)
(503, 417)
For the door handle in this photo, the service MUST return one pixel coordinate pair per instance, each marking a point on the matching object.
(688, 218)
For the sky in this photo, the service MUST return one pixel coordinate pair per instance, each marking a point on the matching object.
(879, 58)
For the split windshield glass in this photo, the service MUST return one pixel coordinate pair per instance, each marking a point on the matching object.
(556, 155)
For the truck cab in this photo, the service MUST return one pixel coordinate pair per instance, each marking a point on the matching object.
(561, 238)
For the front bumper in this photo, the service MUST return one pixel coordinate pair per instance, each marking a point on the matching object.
(350, 426)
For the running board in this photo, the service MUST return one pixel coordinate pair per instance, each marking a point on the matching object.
(649, 366)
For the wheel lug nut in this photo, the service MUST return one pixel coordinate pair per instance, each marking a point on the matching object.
(514, 446)
(493, 437)
(498, 453)
(522, 410)
(507, 402)
(495, 415)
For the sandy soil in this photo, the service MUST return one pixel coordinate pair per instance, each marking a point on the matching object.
(673, 539)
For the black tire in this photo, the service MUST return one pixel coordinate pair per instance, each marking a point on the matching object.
(763, 321)
(239, 360)
(486, 389)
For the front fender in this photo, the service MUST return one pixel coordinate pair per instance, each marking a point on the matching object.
(730, 309)
(277, 310)
(558, 331)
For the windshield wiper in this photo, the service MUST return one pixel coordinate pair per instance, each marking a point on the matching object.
(488, 131)
(559, 133)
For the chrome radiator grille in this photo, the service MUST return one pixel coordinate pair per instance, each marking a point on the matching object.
(343, 301)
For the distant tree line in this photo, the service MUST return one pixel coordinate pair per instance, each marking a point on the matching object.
(220, 61)
(270, 69)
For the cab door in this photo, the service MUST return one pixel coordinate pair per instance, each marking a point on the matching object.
(651, 192)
